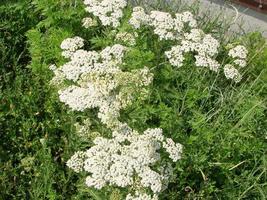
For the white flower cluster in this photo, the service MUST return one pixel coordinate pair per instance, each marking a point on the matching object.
(188, 18)
(129, 159)
(126, 38)
(70, 45)
(84, 130)
(196, 41)
(141, 196)
(175, 56)
(139, 17)
(183, 29)
(165, 26)
(109, 12)
(240, 62)
(92, 79)
(231, 72)
(88, 22)
(173, 149)
(76, 162)
(239, 54)
(169, 28)
(173, 28)
(98, 81)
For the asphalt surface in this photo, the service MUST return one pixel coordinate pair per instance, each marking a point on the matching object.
(244, 19)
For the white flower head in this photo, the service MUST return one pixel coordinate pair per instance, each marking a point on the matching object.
(88, 22)
(76, 162)
(126, 38)
(240, 62)
(129, 159)
(163, 24)
(238, 52)
(53, 67)
(109, 12)
(232, 73)
(174, 149)
(70, 45)
(194, 35)
(206, 61)
(188, 17)
(139, 17)
(141, 196)
(175, 56)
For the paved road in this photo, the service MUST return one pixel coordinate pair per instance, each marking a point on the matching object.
(250, 19)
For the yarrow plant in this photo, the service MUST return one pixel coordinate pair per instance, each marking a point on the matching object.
(97, 80)
(141, 163)
(184, 31)
(239, 56)
(128, 159)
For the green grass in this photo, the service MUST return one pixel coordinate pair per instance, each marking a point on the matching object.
(33, 127)
(222, 125)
